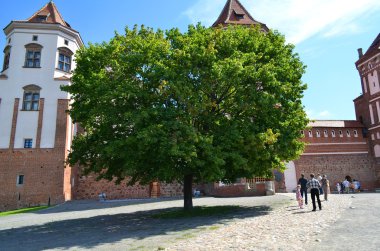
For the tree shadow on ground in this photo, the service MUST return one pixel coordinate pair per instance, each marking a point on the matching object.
(131, 229)
(84, 205)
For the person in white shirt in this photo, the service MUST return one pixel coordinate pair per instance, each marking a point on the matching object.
(346, 185)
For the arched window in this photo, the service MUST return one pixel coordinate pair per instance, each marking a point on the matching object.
(340, 133)
(7, 55)
(355, 133)
(348, 133)
(326, 134)
(310, 134)
(332, 133)
(64, 59)
(31, 98)
(33, 55)
(318, 133)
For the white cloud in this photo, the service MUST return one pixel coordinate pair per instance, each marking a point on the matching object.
(297, 19)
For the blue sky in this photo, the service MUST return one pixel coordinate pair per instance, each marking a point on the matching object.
(327, 34)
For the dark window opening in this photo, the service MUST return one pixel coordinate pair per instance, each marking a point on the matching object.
(239, 16)
(28, 143)
(6, 60)
(42, 18)
(35, 38)
(20, 180)
(66, 42)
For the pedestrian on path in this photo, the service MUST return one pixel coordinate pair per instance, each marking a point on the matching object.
(325, 186)
(346, 185)
(314, 186)
(299, 196)
(302, 182)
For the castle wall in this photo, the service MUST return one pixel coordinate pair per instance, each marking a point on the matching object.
(336, 167)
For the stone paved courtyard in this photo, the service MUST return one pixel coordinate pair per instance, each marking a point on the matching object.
(263, 223)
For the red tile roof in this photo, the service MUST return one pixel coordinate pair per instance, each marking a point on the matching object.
(336, 123)
(52, 14)
(230, 15)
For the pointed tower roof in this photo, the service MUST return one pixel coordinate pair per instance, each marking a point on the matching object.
(48, 14)
(373, 50)
(48, 17)
(235, 13)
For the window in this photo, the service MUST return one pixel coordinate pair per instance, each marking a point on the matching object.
(31, 98)
(302, 133)
(35, 38)
(310, 134)
(20, 179)
(332, 133)
(9, 40)
(7, 55)
(325, 133)
(318, 134)
(340, 133)
(348, 133)
(28, 143)
(33, 56)
(66, 42)
(355, 133)
(41, 18)
(64, 59)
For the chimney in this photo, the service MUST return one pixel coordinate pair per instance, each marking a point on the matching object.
(360, 51)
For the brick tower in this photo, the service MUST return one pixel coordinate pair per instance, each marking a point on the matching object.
(35, 130)
(367, 105)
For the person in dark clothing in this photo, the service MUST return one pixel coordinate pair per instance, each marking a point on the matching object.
(302, 181)
(314, 186)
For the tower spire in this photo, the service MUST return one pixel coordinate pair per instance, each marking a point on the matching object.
(235, 13)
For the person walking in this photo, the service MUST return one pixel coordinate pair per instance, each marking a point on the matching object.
(314, 186)
(299, 196)
(346, 185)
(325, 186)
(319, 178)
(302, 181)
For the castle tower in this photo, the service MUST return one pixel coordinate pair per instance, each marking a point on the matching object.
(35, 130)
(367, 105)
(234, 13)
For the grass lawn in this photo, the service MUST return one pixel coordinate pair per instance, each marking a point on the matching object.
(23, 210)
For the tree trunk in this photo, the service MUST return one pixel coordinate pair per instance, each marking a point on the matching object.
(188, 192)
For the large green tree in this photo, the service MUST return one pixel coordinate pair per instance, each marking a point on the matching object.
(200, 106)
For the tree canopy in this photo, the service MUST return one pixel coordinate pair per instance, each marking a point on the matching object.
(207, 104)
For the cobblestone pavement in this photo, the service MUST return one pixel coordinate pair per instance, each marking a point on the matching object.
(263, 223)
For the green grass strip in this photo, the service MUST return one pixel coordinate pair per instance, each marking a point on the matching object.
(23, 210)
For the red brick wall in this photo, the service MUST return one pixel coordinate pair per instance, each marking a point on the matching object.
(43, 169)
(240, 190)
(336, 167)
(43, 177)
(89, 188)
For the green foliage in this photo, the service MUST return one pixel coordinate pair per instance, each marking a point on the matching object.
(23, 210)
(217, 104)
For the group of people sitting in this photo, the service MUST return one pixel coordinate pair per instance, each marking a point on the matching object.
(348, 185)
(319, 185)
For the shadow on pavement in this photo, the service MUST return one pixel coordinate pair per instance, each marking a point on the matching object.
(84, 205)
(88, 233)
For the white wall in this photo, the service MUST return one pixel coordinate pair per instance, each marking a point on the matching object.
(18, 77)
(290, 177)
